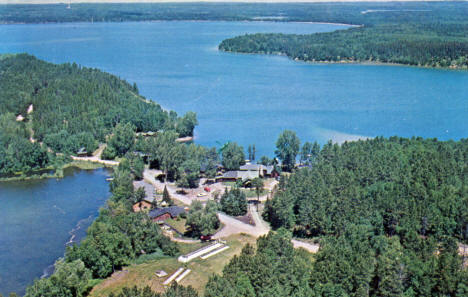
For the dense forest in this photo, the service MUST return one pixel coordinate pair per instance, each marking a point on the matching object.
(388, 213)
(67, 107)
(430, 45)
(350, 13)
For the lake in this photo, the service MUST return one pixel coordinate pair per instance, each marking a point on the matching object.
(38, 218)
(250, 99)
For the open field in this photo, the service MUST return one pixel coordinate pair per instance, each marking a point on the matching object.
(144, 274)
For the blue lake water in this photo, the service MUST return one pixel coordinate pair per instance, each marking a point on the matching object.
(38, 218)
(252, 98)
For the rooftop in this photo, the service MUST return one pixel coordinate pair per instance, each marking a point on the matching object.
(174, 211)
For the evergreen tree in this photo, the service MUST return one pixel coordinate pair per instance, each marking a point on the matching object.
(166, 197)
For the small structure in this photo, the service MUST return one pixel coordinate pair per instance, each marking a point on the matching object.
(82, 152)
(248, 172)
(160, 273)
(173, 276)
(215, 252)
(229, 176)
(184, 274)
(199, 252)
(148, 201)
(243, 175)
(263, 171)
(142, 206)
(161, 214)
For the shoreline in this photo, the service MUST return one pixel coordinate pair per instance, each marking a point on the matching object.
(184, 20)
(363, 63)
(79, 164)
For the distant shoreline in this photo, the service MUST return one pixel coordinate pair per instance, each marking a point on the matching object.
(368, 63)
(187, 20)
(41, 2)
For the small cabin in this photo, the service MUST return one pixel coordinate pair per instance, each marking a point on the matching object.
(162, 214)
(142, 206)
(82, 152)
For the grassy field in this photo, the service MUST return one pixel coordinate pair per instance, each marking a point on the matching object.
(144, 274)
(178, 223)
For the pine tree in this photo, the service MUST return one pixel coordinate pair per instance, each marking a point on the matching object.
(167, 197)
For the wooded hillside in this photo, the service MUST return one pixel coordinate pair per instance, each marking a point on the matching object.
(389, 214)
(71, 107)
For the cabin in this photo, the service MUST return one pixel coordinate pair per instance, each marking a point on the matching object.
(263, 171)
(82, 152)
(162, 214)
(234, 176)
(142, 206)
(229, 176)
(150, 196)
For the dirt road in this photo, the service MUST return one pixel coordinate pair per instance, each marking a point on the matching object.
(234, 226)
(97, 157)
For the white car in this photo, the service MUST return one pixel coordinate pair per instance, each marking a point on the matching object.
(201, 194)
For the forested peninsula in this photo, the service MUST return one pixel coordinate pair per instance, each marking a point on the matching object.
(427, 45)
(52, 111)
(426, 35)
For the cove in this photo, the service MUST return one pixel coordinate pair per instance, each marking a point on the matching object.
(38, 218)
(250, 99)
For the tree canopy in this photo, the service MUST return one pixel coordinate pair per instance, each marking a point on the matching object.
(389, 214)
(202, 220)
(233, 156)
(287, 148)
(234, 202)
(429, 44)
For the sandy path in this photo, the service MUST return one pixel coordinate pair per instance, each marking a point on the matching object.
(96, 157)
(234, 226)
(312, 248)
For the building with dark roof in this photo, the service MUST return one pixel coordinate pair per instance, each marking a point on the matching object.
(164, 213)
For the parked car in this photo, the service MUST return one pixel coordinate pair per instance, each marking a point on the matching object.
(205, 237)
(201, 194)
(207, 189)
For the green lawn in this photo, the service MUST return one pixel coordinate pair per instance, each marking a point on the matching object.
(251, 193)
(177, 223)
(144, 274)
